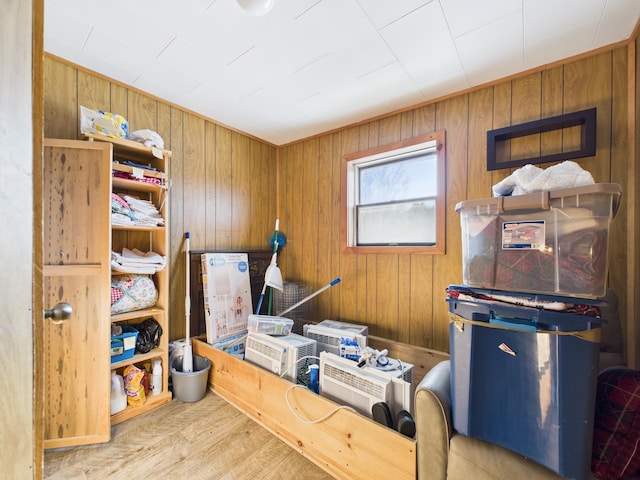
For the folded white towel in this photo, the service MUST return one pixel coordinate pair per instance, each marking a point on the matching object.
(137, 256)
(136, 261)
(530, 178)
(144, 212)
(143, 270)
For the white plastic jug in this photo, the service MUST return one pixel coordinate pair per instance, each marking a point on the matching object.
(118, 396)
(156, 377)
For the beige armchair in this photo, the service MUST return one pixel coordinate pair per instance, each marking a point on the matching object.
(445, 454)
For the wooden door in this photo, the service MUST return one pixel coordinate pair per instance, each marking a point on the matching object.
(76, 218)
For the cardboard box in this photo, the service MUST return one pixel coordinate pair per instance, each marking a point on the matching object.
(227, 294)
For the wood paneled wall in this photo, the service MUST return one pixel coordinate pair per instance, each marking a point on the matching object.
(223, 182)
(402, 297)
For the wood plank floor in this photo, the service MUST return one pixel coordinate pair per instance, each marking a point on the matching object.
(205, 440)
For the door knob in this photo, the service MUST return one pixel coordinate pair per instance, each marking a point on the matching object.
(60, 311)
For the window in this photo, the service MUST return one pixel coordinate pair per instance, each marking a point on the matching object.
(395, 197)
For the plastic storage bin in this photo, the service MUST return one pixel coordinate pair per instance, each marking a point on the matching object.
(269, 325)
(553, 242)
(124, 346)
(526, 383)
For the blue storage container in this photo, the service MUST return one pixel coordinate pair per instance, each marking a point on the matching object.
(123, 346)
(525, 379)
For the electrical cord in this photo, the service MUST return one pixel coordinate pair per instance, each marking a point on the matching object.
(318, 420)
(286, 396)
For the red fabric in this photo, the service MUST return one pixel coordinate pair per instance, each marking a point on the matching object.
(581, 264)
(572, 308)
(616, 433)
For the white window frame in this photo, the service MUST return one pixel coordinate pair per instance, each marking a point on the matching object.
(429, 143)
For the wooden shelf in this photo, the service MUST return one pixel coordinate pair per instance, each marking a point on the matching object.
(130, 146)
(147, 312)
(138, 228)
(120, 167)
(139, 358)
(152, 402)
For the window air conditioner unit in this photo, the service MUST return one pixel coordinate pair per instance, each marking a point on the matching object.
(342, 381)
(328, 338)
(281, 355)
(396, 368)
(402, 388)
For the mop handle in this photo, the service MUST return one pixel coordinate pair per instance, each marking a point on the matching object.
(275, 253)
(187, 298)
(309, 297)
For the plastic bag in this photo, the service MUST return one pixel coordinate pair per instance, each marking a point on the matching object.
(149, 333)
(103, 123)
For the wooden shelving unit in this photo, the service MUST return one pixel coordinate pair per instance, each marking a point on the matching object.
(144, 238)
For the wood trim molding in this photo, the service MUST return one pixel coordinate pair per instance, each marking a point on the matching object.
(439, 248)
(633, 206)
(37, 92)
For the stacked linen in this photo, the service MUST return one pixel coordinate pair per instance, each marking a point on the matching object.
(133, 211)
(121, 214)
(136, 261)
(144, 211)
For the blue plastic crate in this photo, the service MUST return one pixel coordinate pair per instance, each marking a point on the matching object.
(124, 346)
(525, 379)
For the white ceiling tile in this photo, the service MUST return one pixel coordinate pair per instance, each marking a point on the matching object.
(329, 26)
(101, 44)
(164, 15)
(545, 18)
(185, 57)
(132, 29)
(365, 90)
(422, 44)
(564, 44)
(169, 78)
(225, 29)
(439, 89)
(91, 62)
(620, 17)
(464, 16)
(69, 29)
(492, 51)
(383, 12)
